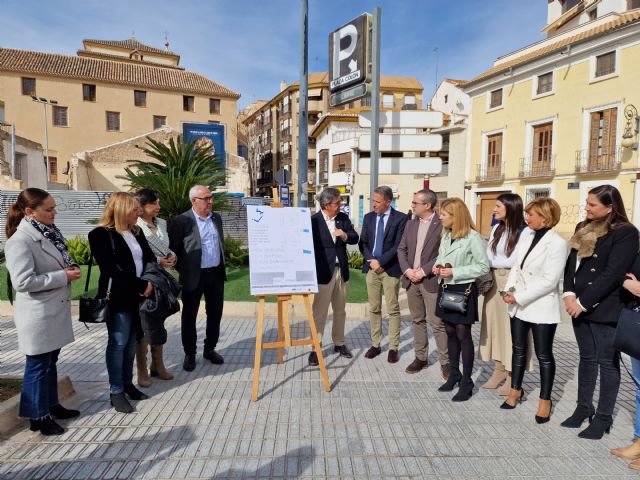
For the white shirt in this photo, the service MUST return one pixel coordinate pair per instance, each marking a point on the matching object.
(500, 259)
(136, 250)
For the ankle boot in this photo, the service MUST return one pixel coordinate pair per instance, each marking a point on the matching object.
(141, 362)
(600, 425)
(134, 393)
(465, 391)
(46, 426)
(120, 403)
(58, 411)
(632, 452)
(505, 389)
(454, 378)
(498, 376)
(157, 364)
(580, 414)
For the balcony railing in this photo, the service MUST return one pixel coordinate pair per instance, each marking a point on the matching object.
(486, 174)
(604, 160)
(533, 167)
(324, 177)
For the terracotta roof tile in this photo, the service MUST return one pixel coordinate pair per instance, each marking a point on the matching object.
(122, 73)
(130, 44)
(619, 21)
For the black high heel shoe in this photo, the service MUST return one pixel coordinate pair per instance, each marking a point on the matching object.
(580, 414)
(506, 406)
(600, 425)
(454, 379)
(540, 419)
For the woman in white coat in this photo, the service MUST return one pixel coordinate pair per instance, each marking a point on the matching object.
(533, 296)
(41, 271)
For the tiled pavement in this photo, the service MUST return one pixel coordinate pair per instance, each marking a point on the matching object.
(377, 422)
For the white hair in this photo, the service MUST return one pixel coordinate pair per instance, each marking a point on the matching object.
(193, 191)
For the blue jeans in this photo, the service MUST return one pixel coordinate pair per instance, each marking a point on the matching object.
(121, 350)
(40, 385)
(635, 369)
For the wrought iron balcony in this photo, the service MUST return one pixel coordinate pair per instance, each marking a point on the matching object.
(534, 167)
(599, 161)
(484, 173)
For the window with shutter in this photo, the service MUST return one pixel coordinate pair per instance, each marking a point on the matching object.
(494, 155)
(53, 169)
(342, 162)
(542, 145)
(188, 102)
(113, 121)
(88, 92)
(602, 138)
(140, 98)
(214, 105)
(60, 118)
(605, 64)
(496, 98)
(545, 83)
(387, 100)
(28, 86)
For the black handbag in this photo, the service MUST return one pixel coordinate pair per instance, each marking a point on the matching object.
(627, 337)
(451, 301)
(95, 310)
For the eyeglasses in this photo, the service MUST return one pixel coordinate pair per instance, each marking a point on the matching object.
(205, 199)
(419, 203)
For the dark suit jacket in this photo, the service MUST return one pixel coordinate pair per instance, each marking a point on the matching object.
(126, 287)
(184, 240)
(407, 251)
(628, 298)
(597, 280)
(326, 250)
(392, 235)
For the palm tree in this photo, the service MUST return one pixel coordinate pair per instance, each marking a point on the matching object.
(178, 166)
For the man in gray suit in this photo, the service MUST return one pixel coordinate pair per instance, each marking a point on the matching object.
(196, 238)
(417, 253)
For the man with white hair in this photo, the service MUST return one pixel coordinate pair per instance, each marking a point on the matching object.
(196, 238)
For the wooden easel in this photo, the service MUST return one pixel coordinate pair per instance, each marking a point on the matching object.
(284, 332)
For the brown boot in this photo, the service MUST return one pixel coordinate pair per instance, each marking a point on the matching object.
(505, 390)
(631, 452)
(141, 362)
(157, 364)
(498, 376)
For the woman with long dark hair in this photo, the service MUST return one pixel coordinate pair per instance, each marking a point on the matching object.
(603, 249)
(495, 332)
(41, 271)
(462, 258)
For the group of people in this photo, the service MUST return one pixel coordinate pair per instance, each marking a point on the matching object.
(129, 244)
(527, 274)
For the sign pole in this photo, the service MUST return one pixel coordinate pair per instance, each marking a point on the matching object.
(375, 102)
(303, 95)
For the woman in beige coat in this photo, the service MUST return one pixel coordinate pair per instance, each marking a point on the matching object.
(41, 271)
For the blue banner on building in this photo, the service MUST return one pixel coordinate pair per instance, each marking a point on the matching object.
(207, 134)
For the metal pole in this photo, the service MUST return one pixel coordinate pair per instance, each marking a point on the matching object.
(46, 144)
(13, 151)
(375, 102)
(303, 106)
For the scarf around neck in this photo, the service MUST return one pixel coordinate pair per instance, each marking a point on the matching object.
(584, 240)
(51, 233)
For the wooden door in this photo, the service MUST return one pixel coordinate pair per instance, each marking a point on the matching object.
(484, 211)
(494, 155)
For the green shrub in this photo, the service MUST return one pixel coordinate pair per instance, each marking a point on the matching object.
(1, 256)
(355, 260)
(79, 250)
(235, 255)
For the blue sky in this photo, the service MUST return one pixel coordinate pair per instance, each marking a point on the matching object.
(251, 45)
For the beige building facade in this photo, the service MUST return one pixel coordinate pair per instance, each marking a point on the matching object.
(109, 92)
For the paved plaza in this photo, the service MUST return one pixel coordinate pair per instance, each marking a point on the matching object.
(377, 422)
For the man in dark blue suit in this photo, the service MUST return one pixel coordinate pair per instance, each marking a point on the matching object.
(332, 231)
(381, 233)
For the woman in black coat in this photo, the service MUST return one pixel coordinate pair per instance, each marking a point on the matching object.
(603, 248)
(121, 251)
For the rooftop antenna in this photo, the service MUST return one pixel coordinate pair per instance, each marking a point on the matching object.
(166, 41)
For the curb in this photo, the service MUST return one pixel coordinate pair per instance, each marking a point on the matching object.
(9, 409)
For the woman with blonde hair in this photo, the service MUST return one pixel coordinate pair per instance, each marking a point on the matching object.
(532, 293)
(461, 259)
(121, 251)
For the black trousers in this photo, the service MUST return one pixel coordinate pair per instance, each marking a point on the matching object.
(212, 286)
(595, 344)
(543, 334)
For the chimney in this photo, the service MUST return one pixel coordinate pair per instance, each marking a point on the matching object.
(283, 85)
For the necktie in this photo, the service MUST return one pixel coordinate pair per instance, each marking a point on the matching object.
(379, 238)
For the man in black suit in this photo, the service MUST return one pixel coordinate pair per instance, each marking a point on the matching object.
(197, 239)
(332, 231)
(381, 233)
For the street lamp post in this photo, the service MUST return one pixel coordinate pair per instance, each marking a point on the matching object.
(44, 103)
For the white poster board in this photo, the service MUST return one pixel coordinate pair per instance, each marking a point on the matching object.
(281, 259)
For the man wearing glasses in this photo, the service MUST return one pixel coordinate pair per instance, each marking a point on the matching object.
(197, 239)
(332, 231)
(417, 254)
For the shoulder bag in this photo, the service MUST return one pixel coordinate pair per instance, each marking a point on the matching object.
(451, 301)
(627, 335)
(95, 310)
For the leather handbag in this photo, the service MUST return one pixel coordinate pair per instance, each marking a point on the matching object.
(627, 337)
(451, 301)
(95, 310)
